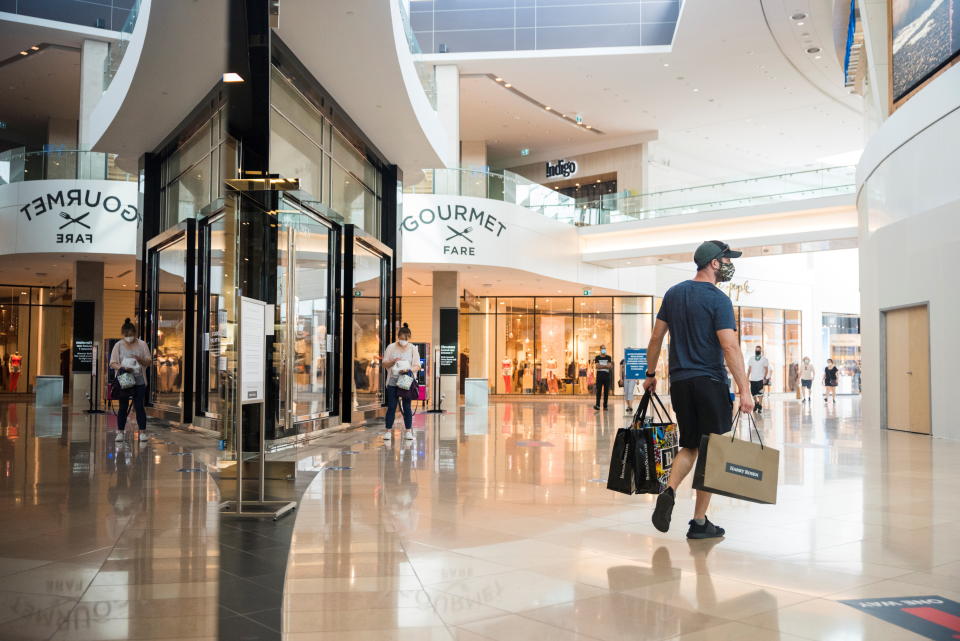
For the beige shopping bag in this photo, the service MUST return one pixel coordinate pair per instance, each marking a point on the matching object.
(739, 469)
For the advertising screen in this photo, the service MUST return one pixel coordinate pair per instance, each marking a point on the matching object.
(925, 38)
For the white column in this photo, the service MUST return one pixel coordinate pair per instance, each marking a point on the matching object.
(473, 156)
(448, 109)
(93, 57)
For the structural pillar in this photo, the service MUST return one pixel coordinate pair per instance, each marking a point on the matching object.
(93, 58)
(446, 297)
(88, 286)
(448, 109)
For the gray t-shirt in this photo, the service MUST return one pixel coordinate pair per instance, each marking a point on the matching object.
(695, 311)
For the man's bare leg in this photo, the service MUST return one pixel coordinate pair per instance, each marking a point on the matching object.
(682, 464)
(703, 502)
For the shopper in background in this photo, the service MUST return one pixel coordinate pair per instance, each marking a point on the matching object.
(703, 334)
(806, 378)
(856, 377)
(759, 370)
(604, 365)
(401, 357)
(131, 355)
(629, 385)
(830, 376)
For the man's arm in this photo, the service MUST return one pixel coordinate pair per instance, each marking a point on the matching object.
(653, 353)
(731, 354)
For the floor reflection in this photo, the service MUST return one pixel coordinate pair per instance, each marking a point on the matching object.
(496, 524)
(100, 539)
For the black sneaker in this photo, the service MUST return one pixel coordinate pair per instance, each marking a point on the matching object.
(706, 531)
(664, 509)
(596, 407)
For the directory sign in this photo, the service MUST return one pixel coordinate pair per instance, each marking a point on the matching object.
(84, 313)
(635, 363)
(449, 332)
(253, 349)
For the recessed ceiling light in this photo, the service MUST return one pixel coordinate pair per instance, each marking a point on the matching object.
(813, 50)
(548, 108)
(23, 53)
(498, 79)
(799, 24)
(35, 48)
(230, 76)
(695, 90)
(589, 126)
(508, 85)
(666, 64)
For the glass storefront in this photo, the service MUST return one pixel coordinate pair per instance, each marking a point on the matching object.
(546, 345)
(35, 334)
(841, 342)
(169, 330)
(367, 331)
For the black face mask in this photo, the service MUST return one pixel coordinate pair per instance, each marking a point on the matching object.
(725, 272)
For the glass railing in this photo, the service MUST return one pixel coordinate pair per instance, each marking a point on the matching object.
(18, 165)
(425, 71)
(117, 49)
(505, 186)
(614, 208)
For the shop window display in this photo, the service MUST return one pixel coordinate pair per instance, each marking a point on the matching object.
(171, 315)
(367, 331)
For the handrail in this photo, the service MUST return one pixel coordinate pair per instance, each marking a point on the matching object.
(612, 208)
(20, 165)
(118, 49)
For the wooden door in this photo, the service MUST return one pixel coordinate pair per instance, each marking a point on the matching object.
(908, 369)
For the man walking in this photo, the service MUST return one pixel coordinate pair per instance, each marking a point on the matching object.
(604, 365)
(758, 368)
(703, 335)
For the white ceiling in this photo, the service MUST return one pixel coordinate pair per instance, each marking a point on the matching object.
(52, 269)
(416, 280)
(734, 97)
(43, 85)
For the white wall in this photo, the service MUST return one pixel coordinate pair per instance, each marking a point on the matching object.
(909, 206)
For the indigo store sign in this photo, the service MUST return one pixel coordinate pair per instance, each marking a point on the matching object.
(86, 216)
(561, 169)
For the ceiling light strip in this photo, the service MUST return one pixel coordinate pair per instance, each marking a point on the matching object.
(570, 120)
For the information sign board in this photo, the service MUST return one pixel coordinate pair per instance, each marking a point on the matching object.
(253, 349)
(635, 363)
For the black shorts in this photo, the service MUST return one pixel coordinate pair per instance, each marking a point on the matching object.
(756, 388)
(703, 406)
(807, 382)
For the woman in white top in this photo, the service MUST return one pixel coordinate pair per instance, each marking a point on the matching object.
(806, 378)
(401, 357)
(131, 355)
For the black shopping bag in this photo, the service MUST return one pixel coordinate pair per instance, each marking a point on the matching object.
(738, 469)
(622, 461)
(661, 441)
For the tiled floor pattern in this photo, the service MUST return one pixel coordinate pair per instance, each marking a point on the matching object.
(102, 540)
(496, 525)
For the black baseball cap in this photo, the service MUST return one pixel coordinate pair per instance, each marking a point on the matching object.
(712, 249)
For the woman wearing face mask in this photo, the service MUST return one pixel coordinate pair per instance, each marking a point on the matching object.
(401, 357)
(830, 375)
(131, 355)
(806, 378)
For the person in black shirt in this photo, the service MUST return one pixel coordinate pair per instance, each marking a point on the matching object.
(604, 364)
(830, 379)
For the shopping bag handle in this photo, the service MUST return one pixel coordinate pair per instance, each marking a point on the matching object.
(660, 413)
(753, 423)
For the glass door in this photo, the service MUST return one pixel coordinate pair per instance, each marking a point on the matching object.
(304, 353)
(171, 331)
(368, 330)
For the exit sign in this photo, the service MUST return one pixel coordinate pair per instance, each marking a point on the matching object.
(587, 292)
(524, 152)
(357, 293)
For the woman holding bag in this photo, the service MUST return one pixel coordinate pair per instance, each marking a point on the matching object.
(402, 361)
(131, 358)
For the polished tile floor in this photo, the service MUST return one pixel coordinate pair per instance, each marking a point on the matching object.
(490, 525)
(102, 540)
(496, 525)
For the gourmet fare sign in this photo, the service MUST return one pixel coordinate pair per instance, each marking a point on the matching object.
(85, 216)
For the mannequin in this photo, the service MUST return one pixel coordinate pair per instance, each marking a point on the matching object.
(506, 369)
(15, 363)
(552, 387)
